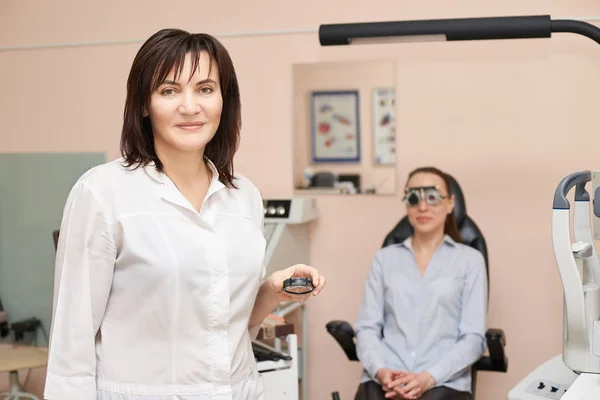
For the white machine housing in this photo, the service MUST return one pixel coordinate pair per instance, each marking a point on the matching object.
(549, 380)
(579, 271)
(286, 230)
(574, 374)
(280, 378)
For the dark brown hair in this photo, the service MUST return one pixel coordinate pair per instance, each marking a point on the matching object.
(163, 52)
(450, 226)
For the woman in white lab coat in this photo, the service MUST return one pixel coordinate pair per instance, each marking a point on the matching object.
(160, 284)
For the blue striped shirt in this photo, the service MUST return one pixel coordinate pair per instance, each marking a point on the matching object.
(434, 323)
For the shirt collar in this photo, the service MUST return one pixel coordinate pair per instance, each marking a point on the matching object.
(153, 173)
(169, 191)
(408, 241)
(159, 177)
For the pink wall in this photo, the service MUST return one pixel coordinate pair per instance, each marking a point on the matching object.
(508, 119)
(363, 76)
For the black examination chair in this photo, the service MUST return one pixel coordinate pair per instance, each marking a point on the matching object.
(496, 361)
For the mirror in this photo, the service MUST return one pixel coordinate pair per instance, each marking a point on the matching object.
(33, 192)
(345, 128)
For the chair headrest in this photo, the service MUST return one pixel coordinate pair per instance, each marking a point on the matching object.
(460, 206)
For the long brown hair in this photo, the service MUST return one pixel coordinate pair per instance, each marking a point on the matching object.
(163, 52)
(450, 226)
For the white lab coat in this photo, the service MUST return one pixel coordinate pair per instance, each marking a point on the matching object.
(152, 299)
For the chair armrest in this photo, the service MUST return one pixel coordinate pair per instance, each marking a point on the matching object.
(343, 333)
(496, 361)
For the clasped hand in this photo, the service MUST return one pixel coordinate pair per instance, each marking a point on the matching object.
(404, 385)
(296, 271)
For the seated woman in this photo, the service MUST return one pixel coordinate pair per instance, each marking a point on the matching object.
(421, 323)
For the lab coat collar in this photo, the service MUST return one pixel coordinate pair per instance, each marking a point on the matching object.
(172, 194)
(153, 173)
(161, 177)
(215, 183)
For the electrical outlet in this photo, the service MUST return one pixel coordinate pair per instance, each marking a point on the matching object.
(547, 389)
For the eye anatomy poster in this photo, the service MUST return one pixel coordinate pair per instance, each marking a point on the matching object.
(335, 126)
(384, 126)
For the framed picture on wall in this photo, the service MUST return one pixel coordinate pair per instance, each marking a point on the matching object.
(384, 126)
(335, 126)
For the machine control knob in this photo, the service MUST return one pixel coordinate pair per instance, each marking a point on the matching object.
(271, 210)
(281, 210)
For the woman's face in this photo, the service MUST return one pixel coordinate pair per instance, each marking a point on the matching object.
(428, 218)
(185, 113)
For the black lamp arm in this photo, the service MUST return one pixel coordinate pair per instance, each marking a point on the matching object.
(491, 28)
